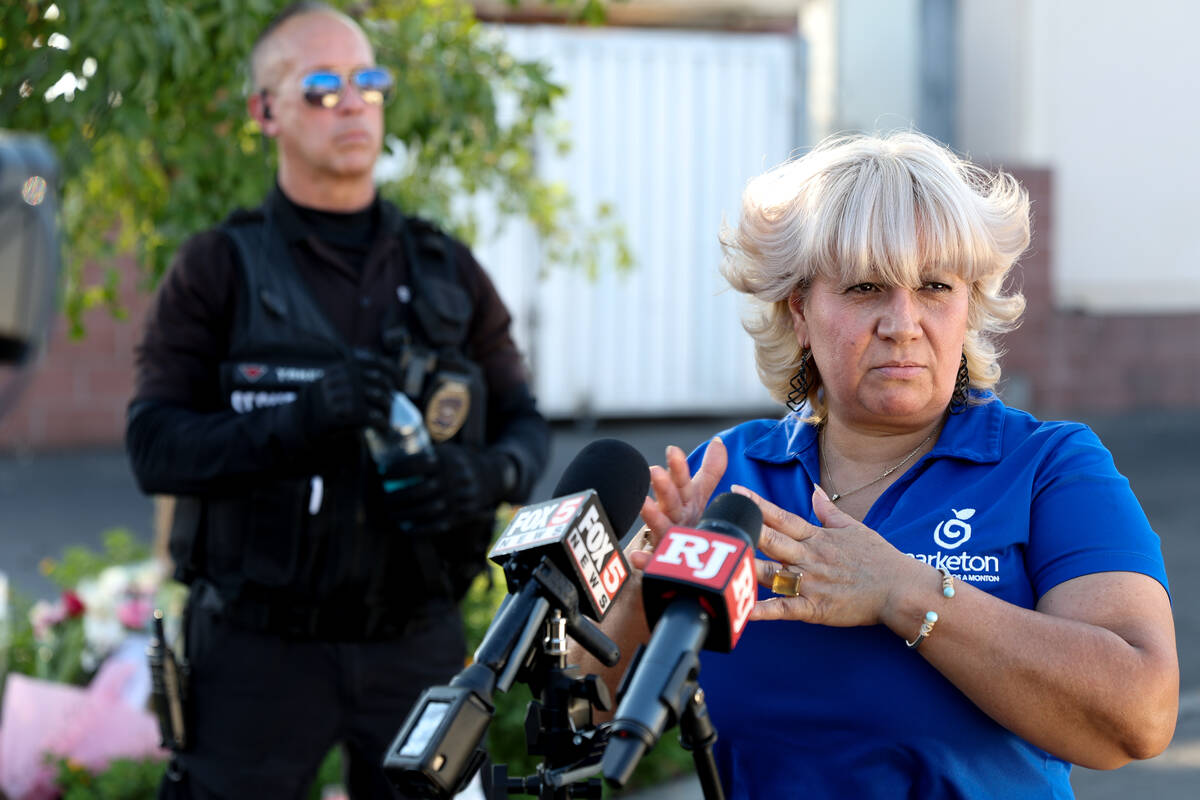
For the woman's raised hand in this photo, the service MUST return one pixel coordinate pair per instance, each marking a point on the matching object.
(679, 497)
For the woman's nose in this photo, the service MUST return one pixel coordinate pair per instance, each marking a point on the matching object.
(901, 315)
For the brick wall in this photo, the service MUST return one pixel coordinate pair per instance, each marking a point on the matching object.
(78, 391)
(1061, 362)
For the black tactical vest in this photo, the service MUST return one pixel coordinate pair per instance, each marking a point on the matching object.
(313, 555)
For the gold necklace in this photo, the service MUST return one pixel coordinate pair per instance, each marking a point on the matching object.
(836, 495)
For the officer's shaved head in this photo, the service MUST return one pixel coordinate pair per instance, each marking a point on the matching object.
(270, 58)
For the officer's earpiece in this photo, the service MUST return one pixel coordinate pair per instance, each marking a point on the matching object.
(266, 109)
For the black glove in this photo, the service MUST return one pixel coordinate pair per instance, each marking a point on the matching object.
(459, 482)
(352, 394)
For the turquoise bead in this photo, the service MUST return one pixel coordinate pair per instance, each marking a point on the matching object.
(931, 616)
(948, 591)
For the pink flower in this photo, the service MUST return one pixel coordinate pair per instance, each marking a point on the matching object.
(135, 611)
(44, 616)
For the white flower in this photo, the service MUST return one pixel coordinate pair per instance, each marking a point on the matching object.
(113, 594)
(102, 633)
(147, 576)
(90, 593)
(114, 582)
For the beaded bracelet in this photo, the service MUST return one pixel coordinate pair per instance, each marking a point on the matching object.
(931, 617)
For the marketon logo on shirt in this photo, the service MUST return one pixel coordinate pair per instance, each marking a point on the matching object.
(951, 534)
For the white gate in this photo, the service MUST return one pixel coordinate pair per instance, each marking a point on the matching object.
(667, 127)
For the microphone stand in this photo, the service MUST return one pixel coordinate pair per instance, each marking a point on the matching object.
(558, 725)
(685, 703)
(697, 734)
(440, 745)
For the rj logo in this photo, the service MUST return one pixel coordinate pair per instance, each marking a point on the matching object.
(703, 556)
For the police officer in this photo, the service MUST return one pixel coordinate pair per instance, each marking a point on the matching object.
(321, 603)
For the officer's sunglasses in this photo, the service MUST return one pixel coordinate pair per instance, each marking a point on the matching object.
(324, 89)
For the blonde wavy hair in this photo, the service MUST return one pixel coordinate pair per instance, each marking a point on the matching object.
(881, 208)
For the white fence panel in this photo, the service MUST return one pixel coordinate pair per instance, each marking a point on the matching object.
(667, 127)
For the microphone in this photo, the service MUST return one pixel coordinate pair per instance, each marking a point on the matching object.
(568, 546)
(552, 553)
(698, 591)
(573, 530)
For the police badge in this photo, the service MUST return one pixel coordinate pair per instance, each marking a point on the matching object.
(448, 407)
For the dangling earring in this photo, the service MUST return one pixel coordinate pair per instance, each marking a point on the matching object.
(958, 400)
(801, 383)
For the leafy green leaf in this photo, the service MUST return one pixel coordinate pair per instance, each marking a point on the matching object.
(157, 145)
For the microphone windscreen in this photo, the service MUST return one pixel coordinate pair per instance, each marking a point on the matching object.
(617, 472)
(734, 510)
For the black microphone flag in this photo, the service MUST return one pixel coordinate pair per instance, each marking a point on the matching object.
(574, 531)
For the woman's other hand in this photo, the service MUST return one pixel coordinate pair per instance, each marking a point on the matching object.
(849, 570)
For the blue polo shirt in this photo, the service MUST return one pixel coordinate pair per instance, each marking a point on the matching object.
(1007, 503)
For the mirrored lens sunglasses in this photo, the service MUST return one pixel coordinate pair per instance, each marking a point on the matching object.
(324, 89)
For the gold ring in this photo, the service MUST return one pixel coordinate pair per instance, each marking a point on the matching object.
(647, 543)
(786, 581)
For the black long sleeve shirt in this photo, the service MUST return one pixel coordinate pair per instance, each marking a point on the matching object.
(182, 436)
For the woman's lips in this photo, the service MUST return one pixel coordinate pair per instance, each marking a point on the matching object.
(900, 371)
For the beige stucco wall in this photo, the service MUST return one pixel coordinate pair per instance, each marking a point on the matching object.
(1103, 93)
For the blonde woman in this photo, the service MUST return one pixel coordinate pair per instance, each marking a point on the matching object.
(967, 600)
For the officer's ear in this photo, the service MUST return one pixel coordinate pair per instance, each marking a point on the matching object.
(258, 105)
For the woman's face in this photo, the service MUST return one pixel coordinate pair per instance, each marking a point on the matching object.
(888, 355)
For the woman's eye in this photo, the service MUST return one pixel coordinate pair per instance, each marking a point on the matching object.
(936, 286)
(863, 288)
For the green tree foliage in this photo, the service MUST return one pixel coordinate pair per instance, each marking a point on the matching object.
(78, 561)
(150, 125)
